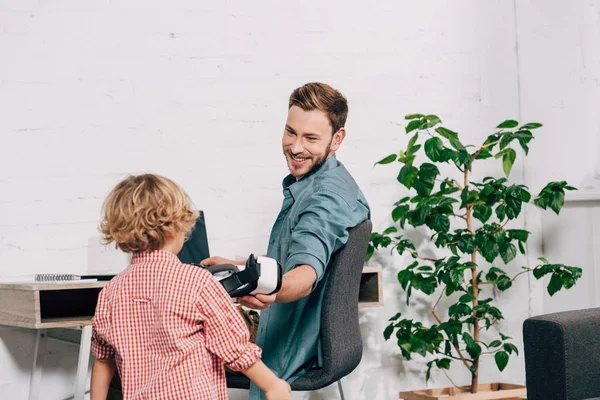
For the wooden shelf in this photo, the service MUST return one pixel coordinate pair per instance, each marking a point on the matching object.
(48, 305)
(370, 293)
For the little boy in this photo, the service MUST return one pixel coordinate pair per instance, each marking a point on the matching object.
(167, 327)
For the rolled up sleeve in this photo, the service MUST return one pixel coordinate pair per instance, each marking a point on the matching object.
(101, 349)
(322, 228)
(226, 333)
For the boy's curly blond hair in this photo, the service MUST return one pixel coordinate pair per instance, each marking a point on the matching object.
(144, 211)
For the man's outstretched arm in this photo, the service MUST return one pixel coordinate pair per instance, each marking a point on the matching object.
(296, 284)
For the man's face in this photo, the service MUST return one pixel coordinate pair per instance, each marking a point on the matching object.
(308, 141)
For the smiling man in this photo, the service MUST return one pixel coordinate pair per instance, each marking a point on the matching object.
(321, 202)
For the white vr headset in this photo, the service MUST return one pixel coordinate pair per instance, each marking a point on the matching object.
(259, 275)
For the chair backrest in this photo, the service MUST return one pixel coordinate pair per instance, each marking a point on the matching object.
(340, 331)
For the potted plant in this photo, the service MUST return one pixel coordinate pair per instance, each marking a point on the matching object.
(470, 221)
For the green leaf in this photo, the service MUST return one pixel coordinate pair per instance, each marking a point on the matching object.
(509, 253)
(496, 343)
(510, 348)
(503, 282)
(388, 331)
(434, 149)
(487, 247)
(457, 144)
(524, 146)
(432, 120)
(407, 175)
(439, 223)
(459, 310)
(419, 215)
(412, 146)
(447, 133)
(508, 159)
(466, 244)
(501, 212)
(388, 159)
(483, 154)
(413, 116)
(412, 125)
(395, 317)
(428, 373)
(473, 348)
(402, 200)
(482, 212)
(428, 172)
(457, 276)
(399, 212)
(463, 158)
(468, 197)
(508, 124)
(518, 234)
(557, 201)
(521, 248)
(531, 125)
(506, 139)
(444, 363)
(501, 358)
(466, 298)
(389, 230)
(556, 283)
(513, 202)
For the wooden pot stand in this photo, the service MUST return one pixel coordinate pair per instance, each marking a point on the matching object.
(488, 391)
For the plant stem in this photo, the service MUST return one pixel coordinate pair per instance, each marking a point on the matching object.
(437, 318)
(474, 156)
(450, 379)
(475, 372)
(520, 273)
(428, 259)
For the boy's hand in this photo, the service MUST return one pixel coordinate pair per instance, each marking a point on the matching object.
(216, 260)
(257, 302)
(279, 391)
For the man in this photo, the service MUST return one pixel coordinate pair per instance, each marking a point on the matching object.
(321, 203)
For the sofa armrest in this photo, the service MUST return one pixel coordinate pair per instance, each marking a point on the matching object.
(562, 355)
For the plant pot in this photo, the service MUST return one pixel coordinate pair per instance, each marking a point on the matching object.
(486, 392)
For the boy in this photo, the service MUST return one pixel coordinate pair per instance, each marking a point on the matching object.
(166, 326)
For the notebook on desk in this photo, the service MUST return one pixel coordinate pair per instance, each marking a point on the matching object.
(195, 249)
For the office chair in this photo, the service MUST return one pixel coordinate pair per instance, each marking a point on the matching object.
(340, 332)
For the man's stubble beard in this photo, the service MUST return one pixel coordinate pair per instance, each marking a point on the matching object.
(316, 165)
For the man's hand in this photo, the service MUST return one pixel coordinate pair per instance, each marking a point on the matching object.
(216, 260)
(257, 302)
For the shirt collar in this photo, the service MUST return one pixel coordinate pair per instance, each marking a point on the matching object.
(154, 255)
(295, 187)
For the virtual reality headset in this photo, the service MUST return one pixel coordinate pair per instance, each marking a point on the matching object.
(260, 275)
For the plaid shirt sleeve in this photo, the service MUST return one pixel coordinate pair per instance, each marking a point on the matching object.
(101, 323)
(226, 333)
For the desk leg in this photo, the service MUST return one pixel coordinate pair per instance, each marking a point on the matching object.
(83, 363)
(38, 361)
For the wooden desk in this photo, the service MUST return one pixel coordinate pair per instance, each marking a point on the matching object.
(43, 306)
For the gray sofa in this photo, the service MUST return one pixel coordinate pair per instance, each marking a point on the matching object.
(562, 355)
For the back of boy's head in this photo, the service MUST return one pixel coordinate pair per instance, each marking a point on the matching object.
(142, 212)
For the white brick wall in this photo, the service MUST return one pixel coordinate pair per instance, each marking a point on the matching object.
(197, 91)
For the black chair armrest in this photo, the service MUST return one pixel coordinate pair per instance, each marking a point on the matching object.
(562, 355)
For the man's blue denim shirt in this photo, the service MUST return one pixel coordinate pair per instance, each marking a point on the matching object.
(317, 212)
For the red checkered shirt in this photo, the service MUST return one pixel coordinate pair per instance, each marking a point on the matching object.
(169, 327)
